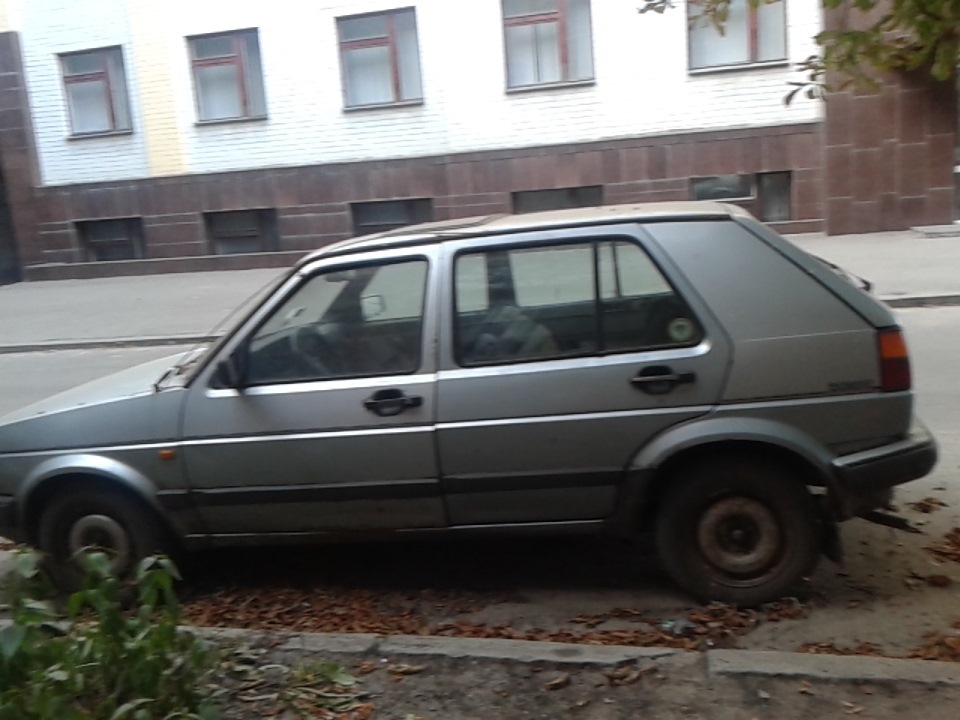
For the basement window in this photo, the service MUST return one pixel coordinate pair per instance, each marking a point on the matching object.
(107, 240)
(766, 195)
(241, 231)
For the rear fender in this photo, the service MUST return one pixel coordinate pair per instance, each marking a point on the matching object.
(648, 473)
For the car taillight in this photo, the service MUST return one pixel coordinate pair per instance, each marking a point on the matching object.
(894, 360)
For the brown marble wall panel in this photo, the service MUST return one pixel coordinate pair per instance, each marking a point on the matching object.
(18, 166)
(889, 151)
(313, 203)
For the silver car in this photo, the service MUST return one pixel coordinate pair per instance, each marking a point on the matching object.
(675, 368)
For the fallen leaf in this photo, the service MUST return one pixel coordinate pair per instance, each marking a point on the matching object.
(763, 695)
(927, 505)
(805, 688)
(561, 681)
(401, 669)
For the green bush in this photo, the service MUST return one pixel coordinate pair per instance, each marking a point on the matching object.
(106, 662)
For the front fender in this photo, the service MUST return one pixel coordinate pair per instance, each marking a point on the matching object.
(90, 465)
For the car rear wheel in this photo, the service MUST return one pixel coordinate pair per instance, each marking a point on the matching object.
(738, 531)
(98, 519)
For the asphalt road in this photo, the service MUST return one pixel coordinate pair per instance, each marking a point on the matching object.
(880, 596)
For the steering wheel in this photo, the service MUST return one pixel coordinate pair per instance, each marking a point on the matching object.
(312, 345)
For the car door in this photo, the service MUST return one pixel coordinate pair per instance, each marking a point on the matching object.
(319, 415)
(565, 352)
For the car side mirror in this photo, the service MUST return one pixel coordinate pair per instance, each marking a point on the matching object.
(372, 306)
(229, 372)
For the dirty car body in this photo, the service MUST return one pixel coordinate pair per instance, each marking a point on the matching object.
(678, 368)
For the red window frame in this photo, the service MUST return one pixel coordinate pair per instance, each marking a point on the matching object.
(103, 75)
(238, 57)
(558, 16)
(753, 33)
(388, 41)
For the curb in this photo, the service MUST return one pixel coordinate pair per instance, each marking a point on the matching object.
(733, 663)
(104, 343)
(719, 663)
(770, 663)
(919, 301)
(453, 648)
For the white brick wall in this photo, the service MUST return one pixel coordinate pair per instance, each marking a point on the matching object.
(50, 27)
(642, 85)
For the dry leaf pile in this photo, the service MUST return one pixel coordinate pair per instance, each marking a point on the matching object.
(949, 547)
(927, 505)
(827, 648)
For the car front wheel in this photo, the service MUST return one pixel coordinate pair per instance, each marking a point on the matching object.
(738, 531)
(99, 519)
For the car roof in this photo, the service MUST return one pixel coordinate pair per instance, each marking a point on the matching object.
(490, 224)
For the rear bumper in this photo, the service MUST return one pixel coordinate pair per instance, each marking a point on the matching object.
(865, 479)
(9, 525)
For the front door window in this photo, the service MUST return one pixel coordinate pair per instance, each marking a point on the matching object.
(354, 322)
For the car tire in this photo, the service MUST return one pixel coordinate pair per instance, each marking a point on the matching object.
(738, 531)
(96, 517)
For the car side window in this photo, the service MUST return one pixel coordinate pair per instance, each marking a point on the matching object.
(537, 303)
(352, 322)
(639, 308)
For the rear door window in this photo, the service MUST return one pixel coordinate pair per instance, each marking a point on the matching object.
(551, 301)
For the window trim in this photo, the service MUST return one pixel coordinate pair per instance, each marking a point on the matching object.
(245, 336)
(560, 16)
(593, 241)
(106, 76)
(134, 238)
(390, 42)
(238, 59)
(753, 36)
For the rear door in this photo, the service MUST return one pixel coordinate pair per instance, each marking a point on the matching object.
(563, 353)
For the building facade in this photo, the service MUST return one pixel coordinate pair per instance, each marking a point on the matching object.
(139, 136)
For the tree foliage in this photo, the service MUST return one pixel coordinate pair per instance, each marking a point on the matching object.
(866, 37)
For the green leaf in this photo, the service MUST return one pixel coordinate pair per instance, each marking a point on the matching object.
(26, 563)
(127, 709)
(11, 638)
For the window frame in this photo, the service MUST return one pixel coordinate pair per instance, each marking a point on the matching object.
(420, 210)
(757, 202)
(519, 198)
(248, 336)
(560, 16)
(216, 238)
(238, 59)
(502, 264)
(752, 37)
(133, 239)
(389, 41)
(111, 83)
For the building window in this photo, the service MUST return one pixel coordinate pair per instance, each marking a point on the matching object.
(103, 240)
(96, 90)
(537, 200)
(547, 41)
(766, 195)
(384, 215)
(241, 231)
(380, 58)
(750, 35)
(227, 76)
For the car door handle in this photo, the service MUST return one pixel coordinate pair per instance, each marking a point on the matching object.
(660, 379)
(387, 403)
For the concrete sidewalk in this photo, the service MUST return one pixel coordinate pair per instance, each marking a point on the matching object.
(906, 268)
